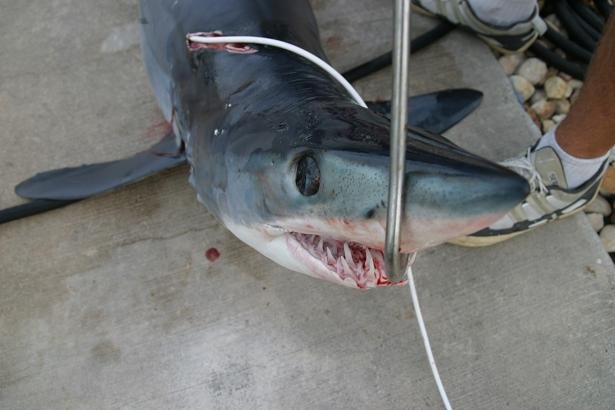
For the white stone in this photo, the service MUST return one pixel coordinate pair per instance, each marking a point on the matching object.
(544, 108)
(533, 70)
(607, 236)
(522, 87)
(569, 92)
(556, 88)
(558, 118)
(511, 62)
(562, 106)
(596, 221)
(608, 182)
(538, 95)
(551, 72)
(547, 125)
(575, 84)
(599, 206)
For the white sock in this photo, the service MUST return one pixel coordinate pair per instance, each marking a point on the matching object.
(576, 170)
(503, 12)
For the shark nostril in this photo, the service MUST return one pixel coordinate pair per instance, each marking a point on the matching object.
(307, 178)
(370, 214)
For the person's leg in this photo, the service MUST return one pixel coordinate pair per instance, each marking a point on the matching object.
(589, 129)
(583, 140)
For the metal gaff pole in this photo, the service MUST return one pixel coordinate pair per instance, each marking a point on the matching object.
(396, 262)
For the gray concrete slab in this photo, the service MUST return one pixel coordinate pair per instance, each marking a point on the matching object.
(111, 303)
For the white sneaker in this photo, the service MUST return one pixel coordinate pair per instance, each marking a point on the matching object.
(510, 39)
(550, 198)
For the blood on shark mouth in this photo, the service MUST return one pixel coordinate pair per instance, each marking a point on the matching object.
(235, 48)
(349, 260)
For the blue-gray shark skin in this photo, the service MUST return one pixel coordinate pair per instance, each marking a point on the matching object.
(287, 161)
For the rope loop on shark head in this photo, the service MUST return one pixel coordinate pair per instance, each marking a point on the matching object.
(196, 38)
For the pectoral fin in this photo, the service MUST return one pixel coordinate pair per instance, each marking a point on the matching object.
(70, 184)
(58, 188)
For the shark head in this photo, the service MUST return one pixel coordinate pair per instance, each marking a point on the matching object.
(307, 187)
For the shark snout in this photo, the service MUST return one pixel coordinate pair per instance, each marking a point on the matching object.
(458, 201)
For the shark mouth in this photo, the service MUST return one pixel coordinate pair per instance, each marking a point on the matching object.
(355, 265)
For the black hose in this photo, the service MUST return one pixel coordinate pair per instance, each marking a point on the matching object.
(588, 15)
(569, 47)
(604, 7)
(588, 29)
(368, 68)
(443, 28)
(37, 206)
(557, 61)
(385, 60)
(592, 32)
(569, 20)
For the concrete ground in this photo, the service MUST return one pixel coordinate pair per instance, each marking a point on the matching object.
(110, 303)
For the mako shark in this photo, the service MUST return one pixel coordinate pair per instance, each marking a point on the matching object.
(282, 155)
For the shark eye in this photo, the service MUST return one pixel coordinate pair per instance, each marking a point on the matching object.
(308, 176)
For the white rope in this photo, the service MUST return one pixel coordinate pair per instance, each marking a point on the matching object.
(355, 95)
(286, 46)
(423, 329)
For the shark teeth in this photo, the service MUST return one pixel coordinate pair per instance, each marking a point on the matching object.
(352, 262)
(330, 258)
(339, 268)
(371, 270)
(348, 254)
(347, 269)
